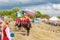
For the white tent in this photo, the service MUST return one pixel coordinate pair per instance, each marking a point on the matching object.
(53, 18)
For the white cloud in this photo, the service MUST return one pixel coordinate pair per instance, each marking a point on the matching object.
(38, 7)
(15, 1)
(4, 0)
(24, 1)
(56, 6)
(27, 1)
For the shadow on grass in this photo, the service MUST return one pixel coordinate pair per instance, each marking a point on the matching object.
(23, 33)
(15, 30)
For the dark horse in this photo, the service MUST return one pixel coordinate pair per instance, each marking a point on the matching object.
(27, 26)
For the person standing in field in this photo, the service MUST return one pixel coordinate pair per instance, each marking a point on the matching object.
(6, 31)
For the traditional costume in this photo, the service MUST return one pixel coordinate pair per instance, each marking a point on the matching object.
(6, 33)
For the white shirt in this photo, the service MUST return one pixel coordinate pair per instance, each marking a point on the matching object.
(8, 33)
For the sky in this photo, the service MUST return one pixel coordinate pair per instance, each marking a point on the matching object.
(51, 7)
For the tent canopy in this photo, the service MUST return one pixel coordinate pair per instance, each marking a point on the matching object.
(53, 18)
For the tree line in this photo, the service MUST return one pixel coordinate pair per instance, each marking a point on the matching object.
(12, 13)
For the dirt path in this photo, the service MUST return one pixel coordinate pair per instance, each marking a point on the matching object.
(36, 33)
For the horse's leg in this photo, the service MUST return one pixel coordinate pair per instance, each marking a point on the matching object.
(22, 28)
(19, 27)
(15, 26)
(28, 31)
(28, 28)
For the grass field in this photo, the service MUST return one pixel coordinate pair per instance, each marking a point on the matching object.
(40, 31)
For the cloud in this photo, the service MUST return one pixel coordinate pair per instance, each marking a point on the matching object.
(21, 1)
(15, 1)
(24, 1)
(56, 6)
(44, 9)
(45, 6)
(30, 1)
(27, 3)
(4, 0)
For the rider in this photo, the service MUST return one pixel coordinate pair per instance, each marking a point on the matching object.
(28, 24)
(18, 23)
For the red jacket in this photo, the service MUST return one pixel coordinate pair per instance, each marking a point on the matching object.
(28, 20)
(18, 20)
(4, 34)
(24, 21)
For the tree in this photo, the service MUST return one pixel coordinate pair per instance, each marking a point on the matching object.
(9, 13)
(15, 9)
(13, 15)
(58, 17)
(38, 14)
(31, 17)
(1, 13)
(45, 16)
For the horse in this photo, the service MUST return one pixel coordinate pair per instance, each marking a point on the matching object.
(24, 23)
